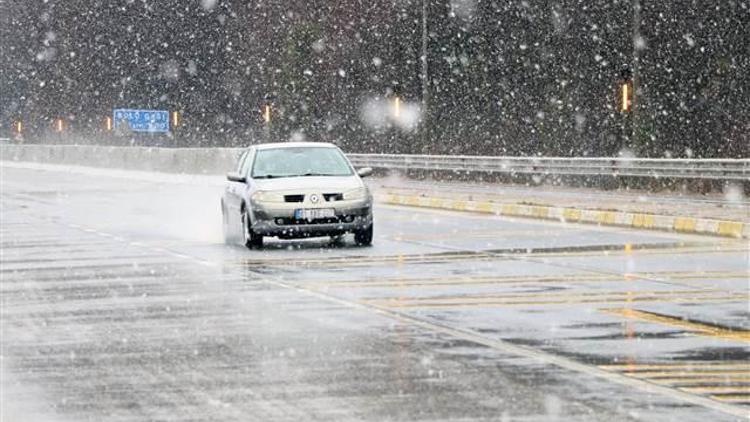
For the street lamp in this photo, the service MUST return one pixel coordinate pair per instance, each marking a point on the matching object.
(424, 76)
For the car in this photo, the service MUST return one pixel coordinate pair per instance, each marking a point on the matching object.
(296, 190)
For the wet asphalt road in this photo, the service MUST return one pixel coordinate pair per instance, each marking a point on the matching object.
(120, 303)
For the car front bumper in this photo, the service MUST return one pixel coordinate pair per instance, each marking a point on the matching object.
(269, 220)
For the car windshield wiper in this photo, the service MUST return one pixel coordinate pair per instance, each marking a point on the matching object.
(268, 176)
(318, 174)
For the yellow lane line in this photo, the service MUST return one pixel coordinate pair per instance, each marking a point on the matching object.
(364, 260)
(716, 379)
(394, 303)
(546, 295)
(718, 390)
(692, 326)
(469, 280)
(690, 365)
(355, 261)
(686, 374)
(654, 251)
(733, 398)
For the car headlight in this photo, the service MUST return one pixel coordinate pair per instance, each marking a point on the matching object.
(355, 194)
(265, 196)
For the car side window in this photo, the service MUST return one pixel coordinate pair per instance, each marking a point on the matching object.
(240, 163)
(245, 170)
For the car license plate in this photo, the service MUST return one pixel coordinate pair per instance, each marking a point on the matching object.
(313, 214)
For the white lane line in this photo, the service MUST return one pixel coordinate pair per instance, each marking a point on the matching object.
(143, 245)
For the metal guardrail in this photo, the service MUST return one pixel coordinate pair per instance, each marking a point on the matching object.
(209, 160)
(710, 169)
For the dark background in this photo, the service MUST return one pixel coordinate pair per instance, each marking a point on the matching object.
(509, 78)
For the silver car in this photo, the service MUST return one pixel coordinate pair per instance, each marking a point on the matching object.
(295, 190)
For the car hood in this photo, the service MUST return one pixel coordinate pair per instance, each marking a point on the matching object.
(318, 183)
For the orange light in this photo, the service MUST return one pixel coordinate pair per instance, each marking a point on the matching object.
(625, 105)
(267, 113)
(19, 127)
(108, 124)
(175, 118)
(397, 107)
(59, 125)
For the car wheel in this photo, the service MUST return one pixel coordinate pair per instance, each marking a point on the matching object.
(363, 237)
(250, 238)
(227, 231)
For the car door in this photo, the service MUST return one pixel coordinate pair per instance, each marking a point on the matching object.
(233, 194)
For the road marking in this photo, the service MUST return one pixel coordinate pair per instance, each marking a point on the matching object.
(468, 281)
(545, 294)
(688, 373)
(480, 254)
(683, 250)
(730, 228)
(727, 382)
(692, 326)
(712, 379)
(614, 301)
(635, 367)
(684, 224)
(358, 261)
(519, 350)
(733, 398)
(745, 390)
(523, 280)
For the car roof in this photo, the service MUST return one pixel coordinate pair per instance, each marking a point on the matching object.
(276, 145)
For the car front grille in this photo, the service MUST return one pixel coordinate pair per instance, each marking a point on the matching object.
(294, 198)
(288, 221)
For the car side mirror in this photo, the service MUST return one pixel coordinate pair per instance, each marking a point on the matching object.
(236, 177)
(364, 172)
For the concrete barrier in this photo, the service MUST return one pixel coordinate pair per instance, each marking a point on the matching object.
(167, 160)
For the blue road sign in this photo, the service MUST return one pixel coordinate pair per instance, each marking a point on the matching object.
(142, 120)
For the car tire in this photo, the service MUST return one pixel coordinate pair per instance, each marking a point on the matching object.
(251, 240)
(364, 237)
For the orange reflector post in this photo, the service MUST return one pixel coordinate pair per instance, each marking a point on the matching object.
(267, 113)
(625, 101)
(19, 127)
(108, 124)
(175, 119)
(59, 125)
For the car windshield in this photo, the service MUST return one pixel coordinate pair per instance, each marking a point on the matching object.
(297, 162)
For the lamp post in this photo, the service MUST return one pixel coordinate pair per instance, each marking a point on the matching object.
(424, 75)
(635, 74)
